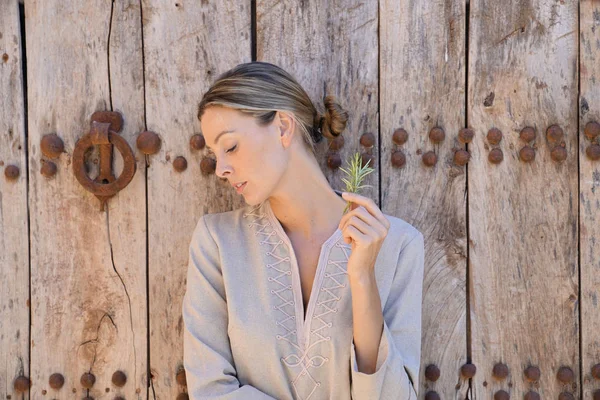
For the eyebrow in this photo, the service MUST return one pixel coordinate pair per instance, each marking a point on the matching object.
(219, 135)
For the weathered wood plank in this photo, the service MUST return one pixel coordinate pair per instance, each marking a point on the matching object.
(422, 84)
(186, 46)
(523, 217)
(14, 258)
(589, 196)
(330, 48)
(88, 268)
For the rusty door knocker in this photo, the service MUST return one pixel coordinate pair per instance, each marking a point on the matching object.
(105, 125)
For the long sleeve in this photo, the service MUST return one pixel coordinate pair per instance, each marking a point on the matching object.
(399, 356)
(207, 356)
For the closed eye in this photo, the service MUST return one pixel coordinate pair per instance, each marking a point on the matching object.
(231, 149)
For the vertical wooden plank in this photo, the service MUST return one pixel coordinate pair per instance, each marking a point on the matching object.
(186, 46)
(330, 48)
(14, 257)
(589, 196)
(422, 84)
(523, 217)
(88, 267)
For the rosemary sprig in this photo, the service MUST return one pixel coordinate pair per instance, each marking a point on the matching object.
(356, 174)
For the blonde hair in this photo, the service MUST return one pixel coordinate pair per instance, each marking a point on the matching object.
(260, 89)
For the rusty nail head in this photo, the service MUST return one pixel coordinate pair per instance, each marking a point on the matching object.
(197, 141)
(56, 380)
(52, 145)
(334, 160)
(494, 136)
(208, 165)
(429, 158)
(400, 136)
(468, 370)
(119, 378)
(527, 134)
(532, 373)
(565, 375)
(113, 118)
(496, 156)
(554, 134)
(465, 135)
(500, 371)
(398, 159)
(11, 172)
(48, 168)
(432, 395)
(148, 142)
(501, 395)
(367, 158)
(592, 130)
(565, 396)
(531, 395)
(436, 134)
(87, 380)
(5, 57)
(432, 372)
(180, 163)
(367, 139)
(593, 152)
(596, 371)
(22, 384)
(527, 154)
(336, 143)
(182, 396)
(180, 377)
(558, 154)
(596, 395)
(461, 157)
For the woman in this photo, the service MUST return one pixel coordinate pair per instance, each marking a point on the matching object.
(287, 297)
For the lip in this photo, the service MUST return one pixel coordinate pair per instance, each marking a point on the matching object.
(241, 188)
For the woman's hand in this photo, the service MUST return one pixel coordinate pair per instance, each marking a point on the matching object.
(365, 227)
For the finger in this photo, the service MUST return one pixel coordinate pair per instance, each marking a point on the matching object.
(368, 204)
(362, 214)
(363, 228)
(351, 233)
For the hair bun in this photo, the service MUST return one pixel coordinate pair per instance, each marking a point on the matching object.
(335, 118)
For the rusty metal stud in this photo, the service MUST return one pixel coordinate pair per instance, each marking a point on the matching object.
(367, 158)
(494, 136)
(334, 160)
(593, 152)
(531, 395)
(48, 168)
(527, 154)
(565, 375)
(501, 395)
(500, 371)
(468, 370)
(182, 396)
(22, 384)
(436, 134)
(496, 156)
(596, 395)
(336, 143)
(566, 396)
(87, 380)
(532, 373)
(429, 158)
(11, 172)
(596, 371)
(432, 395)
(180, 163)
(432, 372)
(208, 165)
(56, 380)
(114, 118)
(554, 135)
(465, 135)
(197, 142)
(119, 378)
(400, 136)
(180, 377)
(527, 134)
(52, 145)
(148, 142)
(461, 157)
(398, 159)
(367, 139)
(592, 130)
(558, 153)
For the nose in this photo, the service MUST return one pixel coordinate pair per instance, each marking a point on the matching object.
(221, 169)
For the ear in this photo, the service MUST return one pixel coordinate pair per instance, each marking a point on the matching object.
(286, 127)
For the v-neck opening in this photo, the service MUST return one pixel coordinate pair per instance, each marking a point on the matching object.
(303, 323)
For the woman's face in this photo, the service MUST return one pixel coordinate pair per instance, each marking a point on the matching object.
(247, 152)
